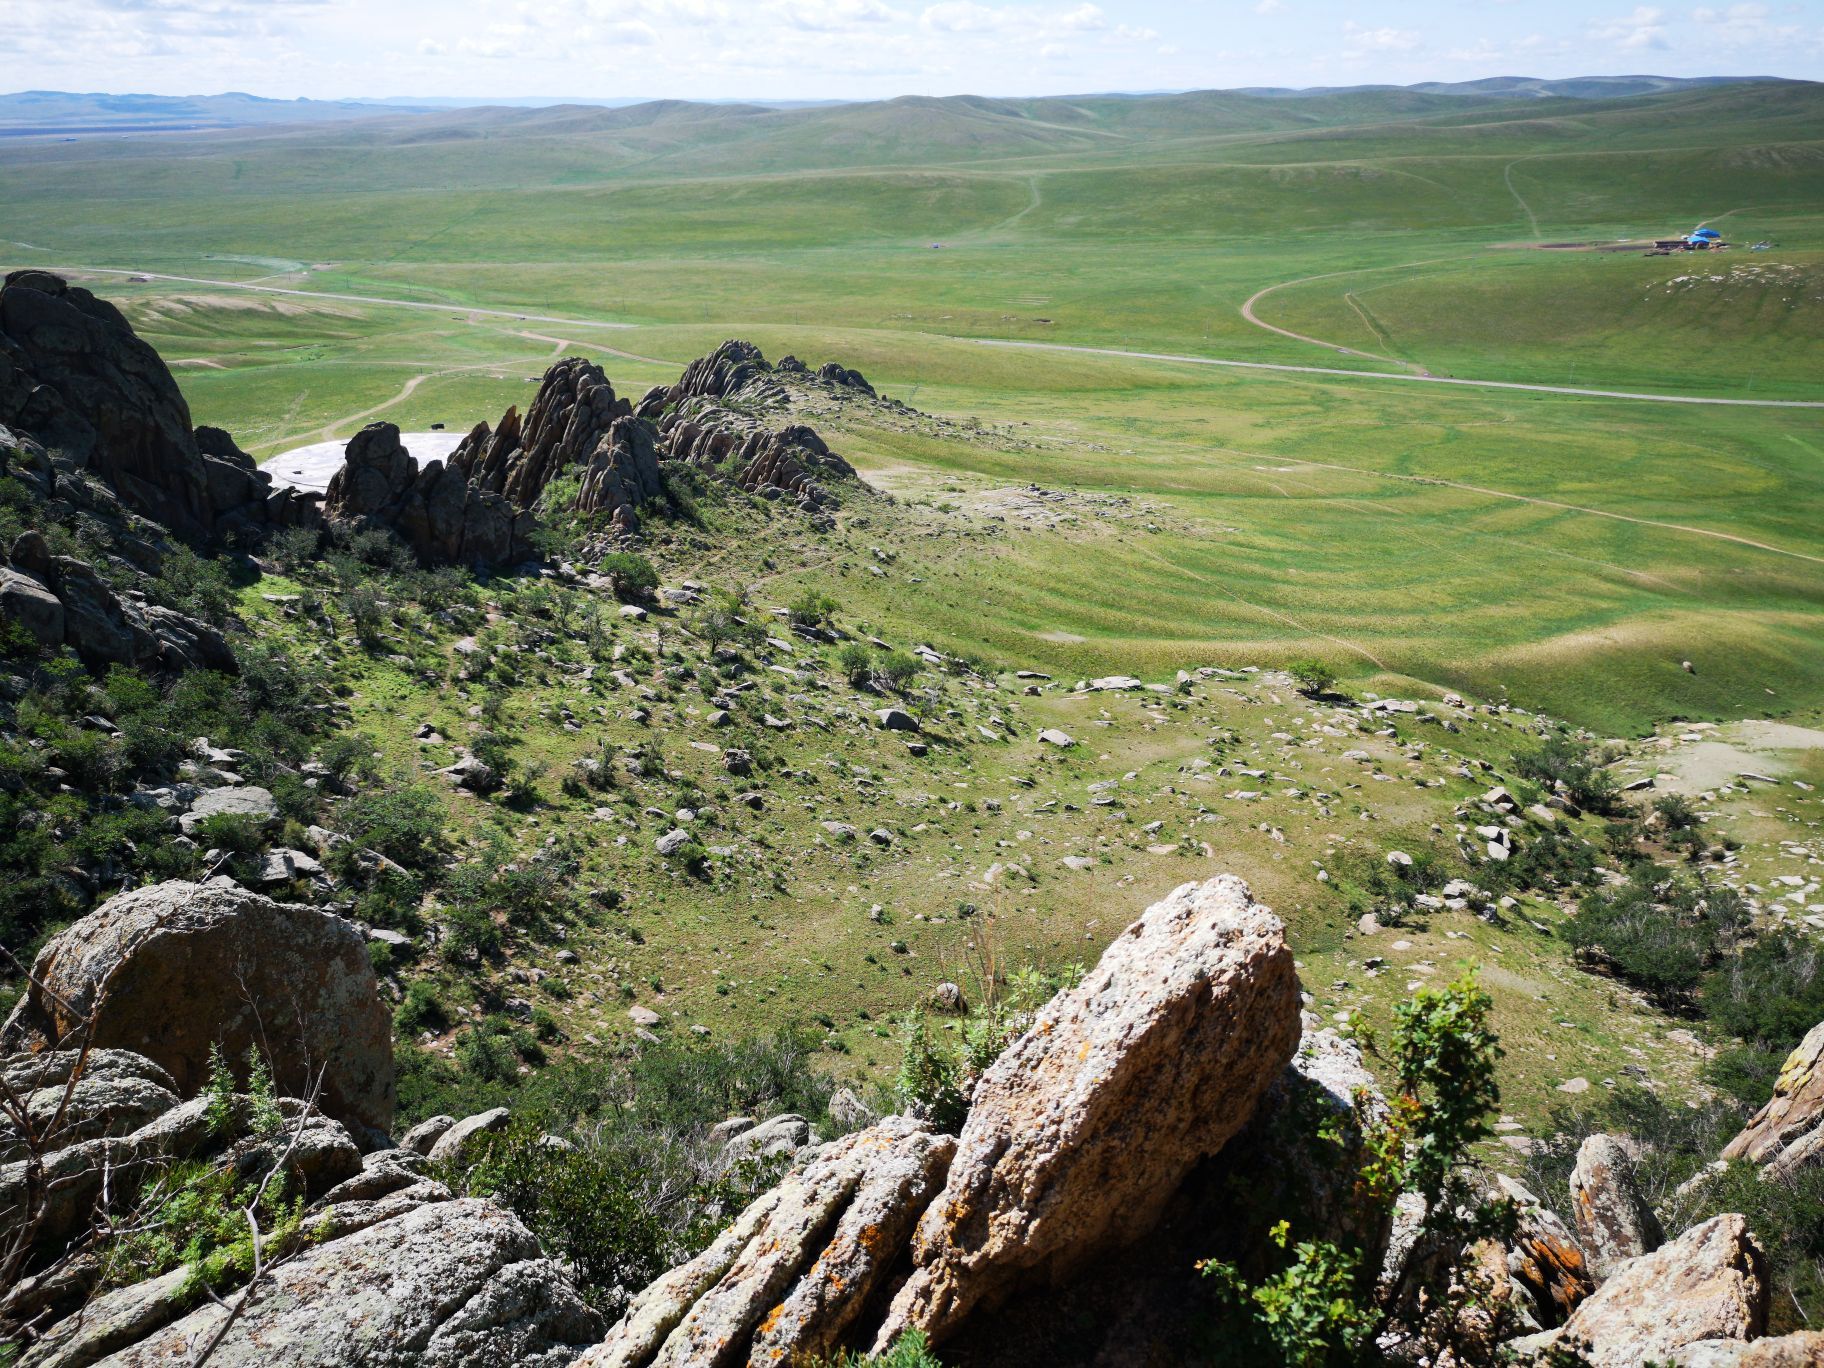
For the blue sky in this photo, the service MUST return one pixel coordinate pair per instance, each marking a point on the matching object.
(851, 49)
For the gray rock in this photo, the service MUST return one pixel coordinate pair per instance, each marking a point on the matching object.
(457, 1284)
(789, 1281)
(252, 802)
(421, 1138)
(896, 719)
(187, 967)
(459, 1143)
(1614, 1222)
(777, 1137)
(1122, 1085)
(27, 602)
(1708, 1284)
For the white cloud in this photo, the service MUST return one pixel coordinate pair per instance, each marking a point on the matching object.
(1270, 7)
(1644, 29)
(1380, 39)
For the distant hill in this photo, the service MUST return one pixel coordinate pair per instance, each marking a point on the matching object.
(46, 112)
(958, 122)
(1520, 87)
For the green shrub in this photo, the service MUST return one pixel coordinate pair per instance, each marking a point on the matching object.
(856, 663)
(910, 1350)
(632, 576)
(421, 1011)
(1563, 761)
(1658, 934)
(1313, 678)
(898, 669)
(811, 609)
(405, 824)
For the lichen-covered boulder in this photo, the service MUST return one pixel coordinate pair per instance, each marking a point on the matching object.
(786, 1283)
(444, 1284)
(1080, 1133)
(171, 970)
(1614, 1222)
(1788, 1132)
(1708, 1284)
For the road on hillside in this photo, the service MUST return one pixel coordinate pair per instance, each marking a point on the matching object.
(1008, 342)
(343, 298)
(1392, 375)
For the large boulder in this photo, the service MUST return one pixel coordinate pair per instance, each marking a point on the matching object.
(1803, 1349)
(788, 1281)
(1708, 1284)
(442, 1284)
(1614, 1222)
(174, 969)
(1080, 1133)
(1788, 1132)
(82, 382)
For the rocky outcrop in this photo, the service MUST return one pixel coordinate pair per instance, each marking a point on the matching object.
(1613, 1219)
(726, 371)
(575, 409)
(172, 970)
(395, 1270)
(443, 1284)
(1804, 1349)
(62, 601)
(782, 464)
(115, 1093)
(788, 1281)
(576, 423)
(445, 517)
(75, 376)
(621, 474)
(1075, 1140)
(1708, 1284)
(1788, 1133)
(1545, 1265)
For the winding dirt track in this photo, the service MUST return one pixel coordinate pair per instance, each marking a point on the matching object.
(342, 298)
(1390, 375)
(1036, 346)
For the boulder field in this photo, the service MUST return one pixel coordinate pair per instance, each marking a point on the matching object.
(1120, 1131)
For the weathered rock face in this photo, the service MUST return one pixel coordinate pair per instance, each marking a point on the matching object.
(175, 968)
(1082, 1130)
(439, 512)
(116, 1093)
(1805, 1349)
(420, 1281)
(1788, 1132)
(1613, 1220)
(729, 368)
(62, 601)
(1708, 1284)
(1544, 1263)
(575, 422)
(783, 464)
(74, 375)
(84, 383)
(788, 1281)
(621, 474)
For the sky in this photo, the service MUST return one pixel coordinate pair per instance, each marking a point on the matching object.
(865, 49)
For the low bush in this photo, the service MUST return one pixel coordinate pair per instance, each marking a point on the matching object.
(1562, 762)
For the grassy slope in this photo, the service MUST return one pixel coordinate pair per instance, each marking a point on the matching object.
(1303, 513)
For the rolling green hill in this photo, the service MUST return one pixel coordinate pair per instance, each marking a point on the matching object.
(1367, 230)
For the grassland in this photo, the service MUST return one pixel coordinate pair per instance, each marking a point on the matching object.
(1613, 562)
